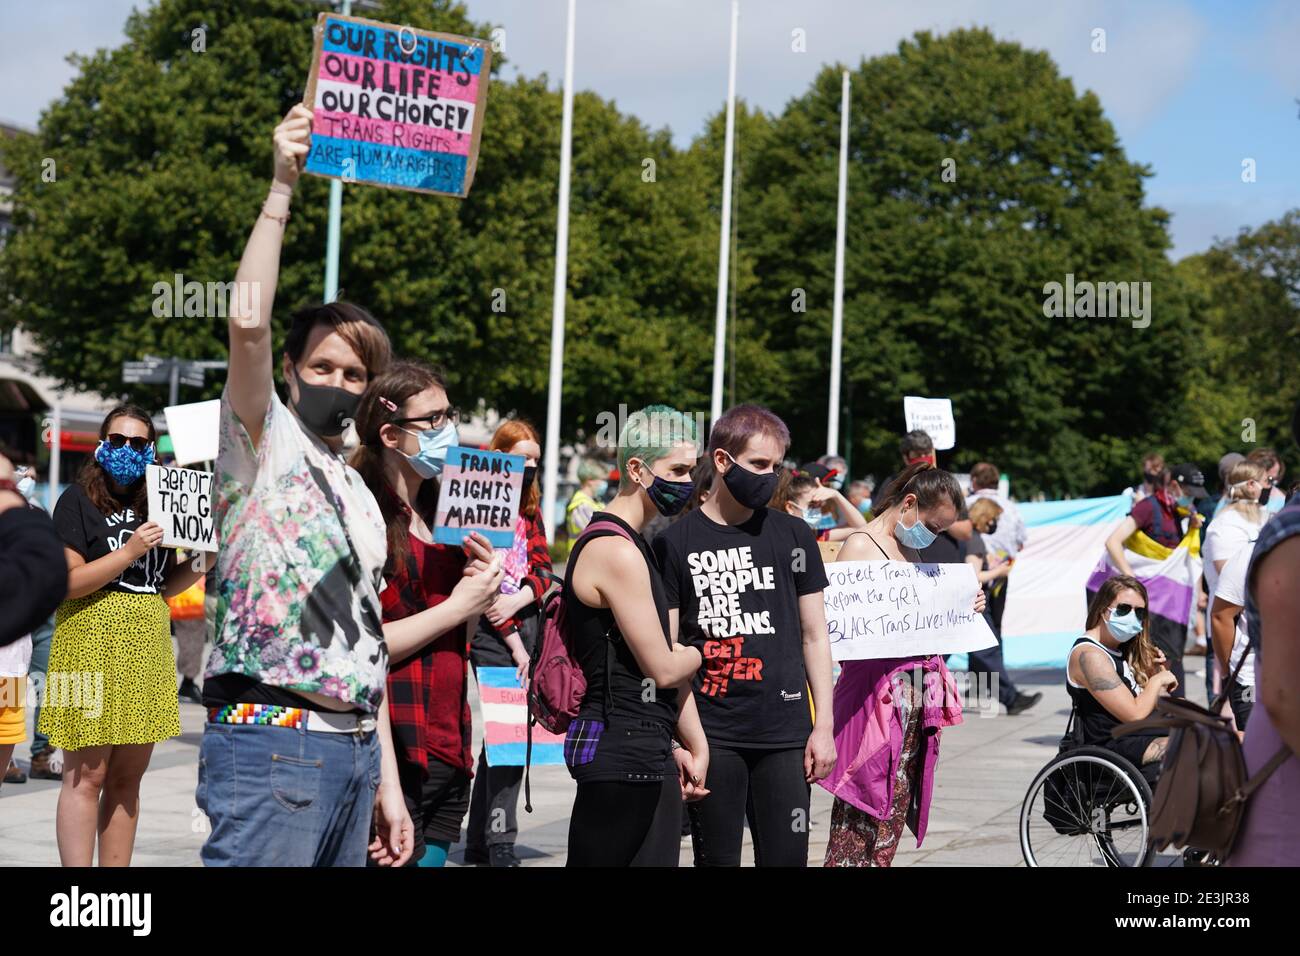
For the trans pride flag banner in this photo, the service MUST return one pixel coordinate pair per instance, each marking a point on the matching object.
(505, 722)
(1065, 561)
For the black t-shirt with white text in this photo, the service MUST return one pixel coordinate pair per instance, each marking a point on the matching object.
(94, 535)
(742, 585)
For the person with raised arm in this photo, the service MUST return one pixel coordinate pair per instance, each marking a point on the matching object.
(297, 754)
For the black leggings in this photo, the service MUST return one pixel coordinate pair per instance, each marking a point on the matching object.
(767, 787)
(626, 824)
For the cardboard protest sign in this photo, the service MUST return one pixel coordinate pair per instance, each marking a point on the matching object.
(180, 500)
(878, 609)
(395, 106)
(932, 416)
(504, 706)
(194, 430)
(480, 491)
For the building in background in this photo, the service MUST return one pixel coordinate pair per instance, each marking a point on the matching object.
(27, 398)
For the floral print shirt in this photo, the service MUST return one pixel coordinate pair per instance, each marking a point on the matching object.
(300, 567)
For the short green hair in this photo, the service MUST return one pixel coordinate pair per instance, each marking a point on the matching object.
(651, 433)
(590, 470)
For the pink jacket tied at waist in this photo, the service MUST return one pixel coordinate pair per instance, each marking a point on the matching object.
(869, 736)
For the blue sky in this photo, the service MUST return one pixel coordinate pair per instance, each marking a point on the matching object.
(1193, 87)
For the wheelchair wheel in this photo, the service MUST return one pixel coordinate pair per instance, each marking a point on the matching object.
(1088, 807)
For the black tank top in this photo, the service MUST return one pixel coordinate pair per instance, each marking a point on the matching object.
(616, 686)
(1094, 721)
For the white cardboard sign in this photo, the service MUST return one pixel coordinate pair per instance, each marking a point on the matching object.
(194, 430)
(878, 609)
(180, 499)
(932, 416)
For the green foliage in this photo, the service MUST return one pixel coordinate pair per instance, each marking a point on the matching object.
(163, 156)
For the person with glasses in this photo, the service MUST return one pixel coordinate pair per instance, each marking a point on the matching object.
(1115, 674)
(406, 425)
(506, 637)
(744, 584)
(111, 678)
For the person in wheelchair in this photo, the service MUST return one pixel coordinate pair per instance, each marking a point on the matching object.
(1115, 674)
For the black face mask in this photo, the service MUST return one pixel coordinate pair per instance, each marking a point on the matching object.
(750, 489)
(1265, 493)
(323, 408)
(530, 474)
(1151, 478)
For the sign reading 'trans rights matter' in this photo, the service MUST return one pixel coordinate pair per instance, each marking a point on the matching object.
(395, 106)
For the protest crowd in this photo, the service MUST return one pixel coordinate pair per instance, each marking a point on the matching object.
(684, 656)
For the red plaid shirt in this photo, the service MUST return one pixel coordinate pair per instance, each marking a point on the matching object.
(539, 560)
(428, 693)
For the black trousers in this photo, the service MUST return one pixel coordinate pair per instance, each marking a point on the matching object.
(765, 786)
(989, 661)
(616, 823)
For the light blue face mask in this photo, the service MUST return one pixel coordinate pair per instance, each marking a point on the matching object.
(864, 505)
(1124, 627)
(813, 516)
(602, 486)
(27, 487)
(918, 536)
(434, 443)
(1185, 502)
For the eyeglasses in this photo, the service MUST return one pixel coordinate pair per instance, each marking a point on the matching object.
(1122, 609)
(117, 440)
(435, 419)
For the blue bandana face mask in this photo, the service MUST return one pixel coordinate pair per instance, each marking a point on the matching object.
(124, 465)
(434, 443)
(668, 497)
(918, 536)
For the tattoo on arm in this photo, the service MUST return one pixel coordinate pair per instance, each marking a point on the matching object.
(1098, 674)
(1155, 750)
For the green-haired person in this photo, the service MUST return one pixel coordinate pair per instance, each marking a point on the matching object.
(587, 499)
(636, 748)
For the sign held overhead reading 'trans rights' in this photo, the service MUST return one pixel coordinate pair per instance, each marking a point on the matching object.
(395, 106)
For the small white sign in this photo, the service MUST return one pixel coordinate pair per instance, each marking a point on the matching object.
(194, 430)
(180, 500)
(878, 609)
(932, 416)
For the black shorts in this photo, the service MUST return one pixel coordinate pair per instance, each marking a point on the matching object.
(437, 803)
(625, 750)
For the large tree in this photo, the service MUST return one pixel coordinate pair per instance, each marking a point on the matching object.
(945, 275)
(162, 156)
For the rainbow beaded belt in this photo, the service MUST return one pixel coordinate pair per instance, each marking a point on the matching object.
(264, 715)
(274, 715)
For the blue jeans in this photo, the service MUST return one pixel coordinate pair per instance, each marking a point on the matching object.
(41, 638)
(280, 796)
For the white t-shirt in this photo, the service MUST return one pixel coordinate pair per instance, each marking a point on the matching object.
(1232, 588)
(16, 657)
(1227, 534)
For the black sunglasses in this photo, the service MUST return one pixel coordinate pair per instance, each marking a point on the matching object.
(1122, 609)
(117, 440)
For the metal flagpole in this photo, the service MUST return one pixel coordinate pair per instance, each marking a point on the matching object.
(724, 236)
(556, 378)
(335, 219)
(837, 309)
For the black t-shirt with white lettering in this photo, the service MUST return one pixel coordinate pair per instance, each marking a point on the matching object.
(742, 584)
(94, 535)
